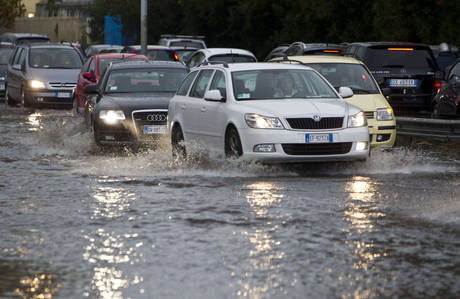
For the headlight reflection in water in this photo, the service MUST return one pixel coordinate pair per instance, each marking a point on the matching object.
(108, 250)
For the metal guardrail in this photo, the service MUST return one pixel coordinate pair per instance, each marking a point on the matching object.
(440, 129)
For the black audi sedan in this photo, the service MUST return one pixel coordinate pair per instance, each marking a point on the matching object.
(129, 105)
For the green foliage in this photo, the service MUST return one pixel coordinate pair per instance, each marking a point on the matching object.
(260, 25)
(9, 10)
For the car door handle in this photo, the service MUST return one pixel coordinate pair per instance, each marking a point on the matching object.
(203, 109)
(183, 106)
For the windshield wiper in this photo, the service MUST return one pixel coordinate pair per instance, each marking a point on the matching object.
(359, 90)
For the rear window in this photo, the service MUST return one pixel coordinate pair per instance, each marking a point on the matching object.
(5, 54)
(184, 44)
(396, 58)
(161, 55)
(104, 62)
(229, 58)
(31, 40)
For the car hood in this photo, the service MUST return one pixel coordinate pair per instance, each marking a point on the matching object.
(299, 107)
(368, 102)
(135, 101)
(54, 75)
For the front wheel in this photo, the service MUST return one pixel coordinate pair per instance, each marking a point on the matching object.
(177, 143)
(233, 147)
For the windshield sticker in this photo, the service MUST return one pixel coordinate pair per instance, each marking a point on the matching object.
(243, 96)
(113, 87)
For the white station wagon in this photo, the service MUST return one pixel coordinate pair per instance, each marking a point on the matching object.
(266, 112)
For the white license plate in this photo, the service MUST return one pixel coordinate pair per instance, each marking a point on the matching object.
(2, 86)
(318, 138)
(148, 130)
(403, 82)
(63, 95)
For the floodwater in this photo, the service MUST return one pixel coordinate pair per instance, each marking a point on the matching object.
(77, 222)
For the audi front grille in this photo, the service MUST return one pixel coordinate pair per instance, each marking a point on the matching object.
(149, 118)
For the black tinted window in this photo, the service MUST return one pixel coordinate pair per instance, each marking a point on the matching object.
(160, 55)
(232, 58)
(398, 58)
(190, 44)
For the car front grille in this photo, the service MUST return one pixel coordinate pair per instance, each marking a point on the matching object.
(149, 118)
(369, 114)
(297, 149)
(309, 123)
(66, 85)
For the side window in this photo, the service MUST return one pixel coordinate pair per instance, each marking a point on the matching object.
(17, 55)
(455, 72)
(199, 88)
(218, 82)
(195, 60)
(361, 51)
(85, 66)
(350, 51)
(294, 50)
(185, 86)
(92, 67)
(22, 57)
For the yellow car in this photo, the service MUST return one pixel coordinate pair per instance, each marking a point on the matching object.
(346, 71)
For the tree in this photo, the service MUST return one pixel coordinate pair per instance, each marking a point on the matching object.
(9, 10)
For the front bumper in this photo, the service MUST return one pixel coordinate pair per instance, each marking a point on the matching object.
(61, 98)
(291, 145)
(382, 133)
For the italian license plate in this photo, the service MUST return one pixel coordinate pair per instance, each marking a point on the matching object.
(403, 82)
(149, 130)
(2, 86)
(63, 95)
(318, 138)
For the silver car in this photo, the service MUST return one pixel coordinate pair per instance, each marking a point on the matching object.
(43, 75)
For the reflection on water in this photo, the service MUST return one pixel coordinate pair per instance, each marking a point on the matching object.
(361, 213)
(262, 271)
(39, 286)
(106, 249)
(34, 121)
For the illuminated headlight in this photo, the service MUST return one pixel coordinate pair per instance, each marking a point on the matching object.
(111, 116)
(385, 114)
(2, 78)
(36, 84)
(257, 121)
(357, 120)
(361, 145)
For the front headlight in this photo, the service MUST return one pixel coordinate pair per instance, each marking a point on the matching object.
(36, 84)
(111, 116)
(257, 121)
(2, 78)
(385, 113)
(357, 120)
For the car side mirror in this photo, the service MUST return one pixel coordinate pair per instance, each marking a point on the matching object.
(214, 95)
(386, 91)
(345, 92)
(88, 76)
(91, 89)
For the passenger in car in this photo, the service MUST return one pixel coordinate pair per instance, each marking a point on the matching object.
(286, 87)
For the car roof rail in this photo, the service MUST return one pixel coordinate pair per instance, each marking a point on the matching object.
(225, 64)
(287, 59)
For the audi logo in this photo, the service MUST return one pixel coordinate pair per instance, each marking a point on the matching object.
(156, 117)
(316, 117)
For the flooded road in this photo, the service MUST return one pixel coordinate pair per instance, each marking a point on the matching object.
(76, 222)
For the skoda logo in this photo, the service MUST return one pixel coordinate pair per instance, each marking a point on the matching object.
(316, 117)
(156, 117)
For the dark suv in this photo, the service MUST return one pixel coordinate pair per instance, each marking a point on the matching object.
(43, 75)
(407, 70)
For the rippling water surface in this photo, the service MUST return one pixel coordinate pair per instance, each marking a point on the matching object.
(79, 222)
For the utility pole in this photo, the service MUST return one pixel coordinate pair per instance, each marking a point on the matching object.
(144, 27)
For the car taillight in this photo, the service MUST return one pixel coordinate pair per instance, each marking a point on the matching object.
(176, 57)
(133, 52)
(400, 49)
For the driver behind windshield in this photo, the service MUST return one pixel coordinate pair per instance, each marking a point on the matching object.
(286, 87)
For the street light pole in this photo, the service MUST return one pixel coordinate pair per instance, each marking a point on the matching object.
(144, 27)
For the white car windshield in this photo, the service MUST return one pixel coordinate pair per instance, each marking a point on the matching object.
(280, 84)
(350, 75)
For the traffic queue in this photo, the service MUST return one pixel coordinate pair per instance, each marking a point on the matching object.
(306, 102)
